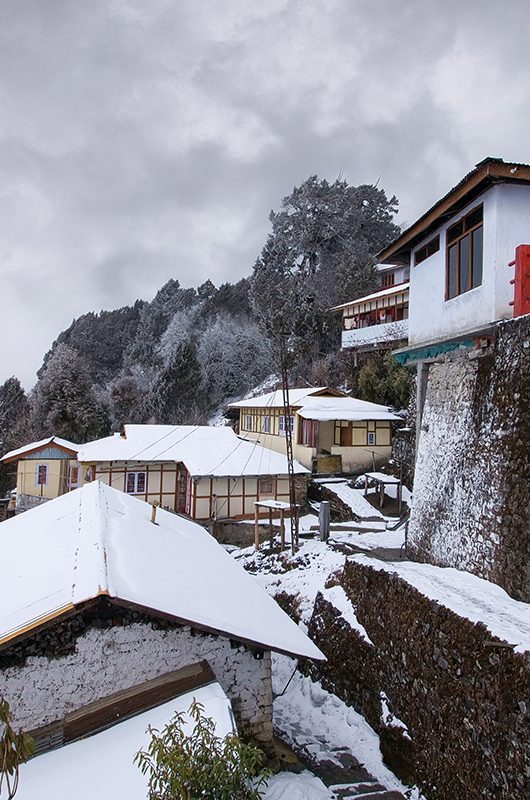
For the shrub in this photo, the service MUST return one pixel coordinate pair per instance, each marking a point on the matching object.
(189, 766)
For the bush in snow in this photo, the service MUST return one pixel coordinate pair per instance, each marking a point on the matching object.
(186, 766)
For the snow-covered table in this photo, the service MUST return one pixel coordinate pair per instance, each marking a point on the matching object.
(383, 480)
(273, 505)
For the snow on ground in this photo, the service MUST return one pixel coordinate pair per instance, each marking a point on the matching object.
(467, 595)
(288, 786)
(370, 541)
(312, 709)
(354, 498)
(303, 574)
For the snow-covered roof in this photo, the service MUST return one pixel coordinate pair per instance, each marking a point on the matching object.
(100, 541)
(344, 408)
(399, 289)
(40, 445)
(204, 450)
(275, 399)
(69, 771)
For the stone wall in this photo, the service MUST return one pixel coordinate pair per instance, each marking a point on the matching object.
(456, 699)
(471, 507)
(73, 664)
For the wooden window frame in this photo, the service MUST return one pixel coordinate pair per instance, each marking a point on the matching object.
(387, 281)
(467, 232)
(249, 418)
(372, 434)
(266, 423)
(429, 249)
(281, 424)
(264, 483)
(38, 468)
(135, 474)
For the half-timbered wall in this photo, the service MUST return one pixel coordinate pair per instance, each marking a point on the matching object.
(55, 474)
(164, 483)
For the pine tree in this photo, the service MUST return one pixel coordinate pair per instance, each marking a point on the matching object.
(175, 397)
(63, 402)
(14, 427)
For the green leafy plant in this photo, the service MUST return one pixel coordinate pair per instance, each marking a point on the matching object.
(200, 765)
(15, 749)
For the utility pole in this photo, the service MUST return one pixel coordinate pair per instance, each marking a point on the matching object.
(289, 445)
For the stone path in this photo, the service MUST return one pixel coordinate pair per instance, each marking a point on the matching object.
(336, 767)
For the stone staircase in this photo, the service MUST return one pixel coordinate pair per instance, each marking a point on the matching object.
(337, 768)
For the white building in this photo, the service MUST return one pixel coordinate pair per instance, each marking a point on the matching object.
(458, 254)
(378, 320)
(104, 613)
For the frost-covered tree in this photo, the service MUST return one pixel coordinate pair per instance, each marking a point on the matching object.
(63, 402)
(155, 317)
(177, 331)
(175, 396)
(383, 380)
(234, 356)
(321, 252)
(14, 427)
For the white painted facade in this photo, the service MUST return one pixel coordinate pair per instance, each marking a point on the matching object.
(105, 661)
(375, 334)
(506, 224)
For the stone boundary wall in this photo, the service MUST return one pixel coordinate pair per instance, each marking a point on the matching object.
(458, 696)
(74, 665)
(471, 507)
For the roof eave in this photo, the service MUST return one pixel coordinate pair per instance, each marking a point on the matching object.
(484, 175)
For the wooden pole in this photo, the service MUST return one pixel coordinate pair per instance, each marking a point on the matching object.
(271, 534)
(381, 495)
(256, 528)
(282, 530)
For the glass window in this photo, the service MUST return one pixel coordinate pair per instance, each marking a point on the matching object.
(135, 482)
(451, 268)
(464, 254)
(266, 424)
(476, 251)
(41, 476)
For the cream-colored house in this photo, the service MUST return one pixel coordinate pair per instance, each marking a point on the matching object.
(45, 469)
(207, 473)
(332, 433)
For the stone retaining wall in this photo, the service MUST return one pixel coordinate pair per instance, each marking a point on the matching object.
(459, 697)
(471, 507)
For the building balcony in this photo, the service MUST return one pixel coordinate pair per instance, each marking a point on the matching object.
(368, 338)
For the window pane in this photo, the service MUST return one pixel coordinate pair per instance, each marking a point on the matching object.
(465, 251)
(477, 257)
(455, 231)
(451, 270)
(473, 218)
(140, 482)
(130, 482)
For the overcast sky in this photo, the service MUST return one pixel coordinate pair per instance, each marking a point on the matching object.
(147, 139)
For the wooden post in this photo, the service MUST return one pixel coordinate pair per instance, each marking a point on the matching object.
(271, 534)
(400, 497)
(366, 486)
(323, 520)
(282, 530)
(381, 495)
(256, 528)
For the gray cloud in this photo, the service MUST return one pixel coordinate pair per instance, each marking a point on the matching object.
(147, 139)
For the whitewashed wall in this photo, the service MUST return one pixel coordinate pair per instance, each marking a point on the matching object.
(108, 660)
(506, 224)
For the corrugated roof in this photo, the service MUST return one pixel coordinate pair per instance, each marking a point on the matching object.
(345, 408)
(401, 287)
(40, 445)
(275, 399)
(484, 174)
(99, 541)
(204, 450)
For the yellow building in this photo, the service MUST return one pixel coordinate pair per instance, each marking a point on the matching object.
(331, 432)
(45, 469)
(207, 473)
